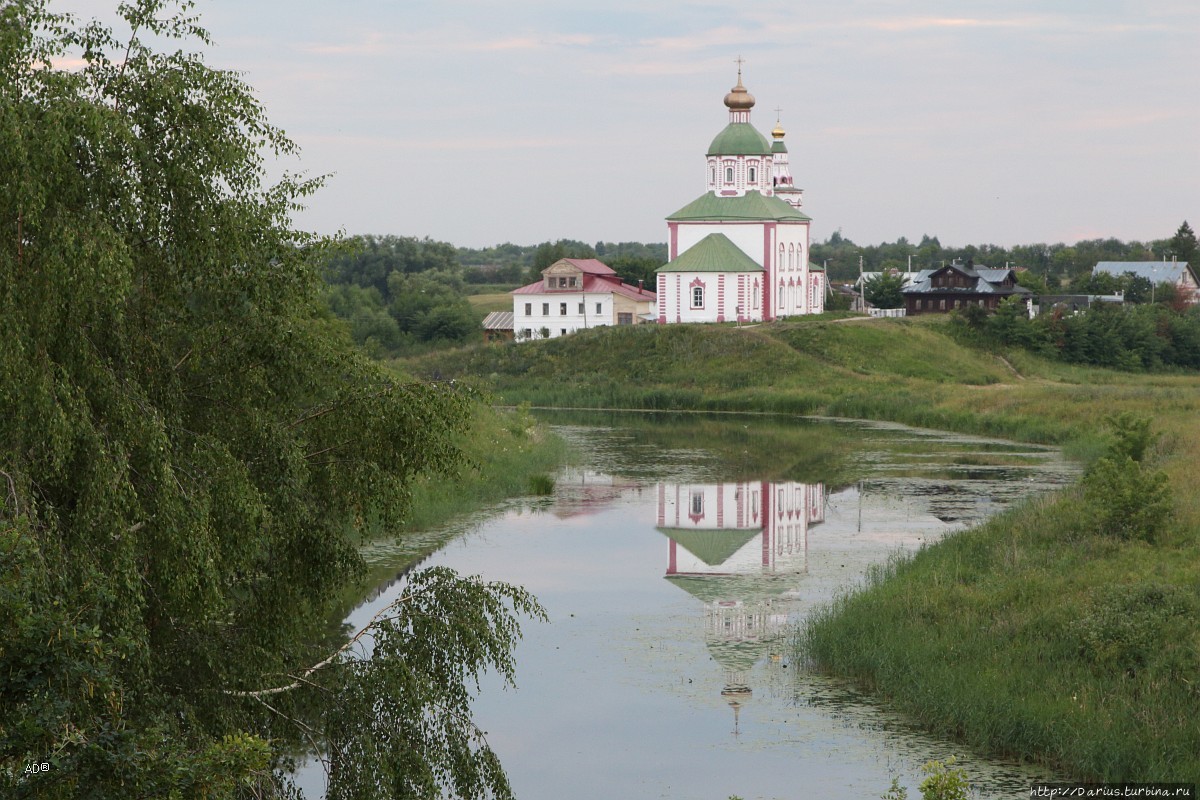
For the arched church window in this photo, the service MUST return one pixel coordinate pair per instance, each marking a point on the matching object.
(712, 175)
(753, 177)
(756, 298)
(729, 174)
(697, 297)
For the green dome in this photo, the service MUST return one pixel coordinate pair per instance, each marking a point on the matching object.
(739, 139)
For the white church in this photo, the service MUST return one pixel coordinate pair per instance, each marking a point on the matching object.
(739, 252)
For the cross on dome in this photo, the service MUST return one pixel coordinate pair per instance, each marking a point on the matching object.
(738, 98)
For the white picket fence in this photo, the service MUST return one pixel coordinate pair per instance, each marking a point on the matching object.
(886, 312)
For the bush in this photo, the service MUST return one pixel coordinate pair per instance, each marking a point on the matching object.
(1130, 501)
(944, 781)
(541, 485)
(1123, 627)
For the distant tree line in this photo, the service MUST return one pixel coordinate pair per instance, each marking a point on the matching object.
(1057, 265)
(1138, 336)
(510, 263)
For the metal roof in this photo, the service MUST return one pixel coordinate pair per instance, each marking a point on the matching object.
(713, 253)
(750, 207)
(739, 139)
(602, 283)
(498, 321)
(1153, 271)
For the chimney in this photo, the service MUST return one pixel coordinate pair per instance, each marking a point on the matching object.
(641, 284)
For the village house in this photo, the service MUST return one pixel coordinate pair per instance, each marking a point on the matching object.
(1179, 274)
(939, 291)
(577, 293)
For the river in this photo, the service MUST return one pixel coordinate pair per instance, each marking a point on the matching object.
(675, 558)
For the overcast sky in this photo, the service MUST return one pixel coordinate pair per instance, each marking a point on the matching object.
(477, 123)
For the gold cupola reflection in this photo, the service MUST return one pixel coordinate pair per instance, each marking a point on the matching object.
(733, 546)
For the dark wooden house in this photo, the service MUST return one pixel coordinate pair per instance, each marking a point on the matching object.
(939, 291)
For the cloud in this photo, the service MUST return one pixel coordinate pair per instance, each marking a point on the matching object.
(924, 23)
(371, 44)
(701, 40)
(539, 42)
(68, 63)
(357, 143)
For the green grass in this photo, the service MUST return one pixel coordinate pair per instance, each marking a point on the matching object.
(487, 302)
(508, 455)
(1012, 637)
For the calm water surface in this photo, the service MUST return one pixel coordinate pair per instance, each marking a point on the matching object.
(675, 558)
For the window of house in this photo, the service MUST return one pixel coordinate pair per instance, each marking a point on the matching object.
(919, 305)
(597, 308)
(529, 309)
(562, 309)
(563, 332)
(528, 334)
(562, 283)
(581, 308)
(697, 297)
(545, 309)
(624, 317)
(942, 304)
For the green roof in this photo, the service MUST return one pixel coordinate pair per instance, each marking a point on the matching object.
(712, 546)
(750, 207)
(713, 253)
(778, 146)
(739, 139)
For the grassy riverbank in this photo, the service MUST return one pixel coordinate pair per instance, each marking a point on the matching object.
(1038, 635)
(507, 453)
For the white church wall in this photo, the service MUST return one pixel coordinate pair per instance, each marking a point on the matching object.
(724, 297)
(748, 236)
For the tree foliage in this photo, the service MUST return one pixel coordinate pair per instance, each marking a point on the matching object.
(188, 445)
(1150, 336)
(1183, 245)
(884, 290)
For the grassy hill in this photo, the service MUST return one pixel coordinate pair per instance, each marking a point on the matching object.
(486, 302)
(1042, 635)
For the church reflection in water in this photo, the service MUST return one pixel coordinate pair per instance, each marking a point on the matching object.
(733, 546)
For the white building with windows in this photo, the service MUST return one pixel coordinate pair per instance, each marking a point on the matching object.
(740, 250)
(577, 293)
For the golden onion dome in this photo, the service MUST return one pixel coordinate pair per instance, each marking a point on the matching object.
(778, 132)
(738, 98)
